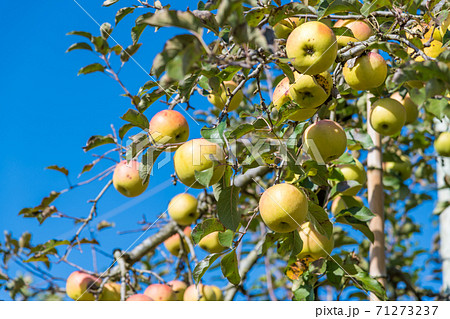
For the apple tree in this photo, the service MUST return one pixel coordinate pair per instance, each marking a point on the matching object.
(316, 143)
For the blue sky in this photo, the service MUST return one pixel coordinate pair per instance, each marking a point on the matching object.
(48, 113)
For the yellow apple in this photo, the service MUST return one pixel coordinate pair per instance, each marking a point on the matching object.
(353, 172)
(139, 297)
(199, 293)
(160, 292)
(211, 243)
(312, 47)
(217, 292)
(283, 28)
(360, 29)
(178, 287)
(311, 91)
(168, 127)
(325, 141)
(315, 245)
(173, 243)
(183, 209)
(78, 283)
(198, 155)
(218, 99)
(368, 72)
(442, 144)
(283, 207)
(110, 292)
(411, 109)
(341, 203)
(126, 179)
(302, 114)
(387, 116)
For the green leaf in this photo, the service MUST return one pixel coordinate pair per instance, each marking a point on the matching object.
(327, 7)
(255, 15)
(148, 160)
(108, 3)
(228, 73)
(203, 266)
(81, 34)
(182, 64)
(319, 219)
(334, 271)
(356, 224)
(206, 227)
(214, 134)
(287, 71)
(105, 30)
(371, 6)
(286, 11)
(304, 293)
(227, 207)
(343, 186)
(369, 283)
(122, 13)
(204, 177)
(59, 169)
(229, 266)
(239, 131)
(124, 129)
(86, 168)
(91, 68)
(79, 46)
(149, 98)
(171, 18)
(356, 137)
(98, 140)
(360, 213)
(128, 52)
(136, 118)
(101, 45)
(136, 32)
(226, 238)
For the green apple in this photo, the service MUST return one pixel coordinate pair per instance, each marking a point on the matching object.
(311, 91)
(315, 245)
(183, 209)
(303, 114)
(78, 283)
(325, 141)
(442, 144)
(139, 297)
(211, 243)
(402, 168)
(110, 292)
(178, 287)
(312, 47)
(283, 28)
(411, 109)
(217, 292)
(387, 116)
(218, 99)
(168, 127)
(353, 172)
(198, 155)
(341, 203)
(283, 207)
(368, 72)
(126, 179)
(199, 293)
(160, 292)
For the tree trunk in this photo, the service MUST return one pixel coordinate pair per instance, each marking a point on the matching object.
(377, 267)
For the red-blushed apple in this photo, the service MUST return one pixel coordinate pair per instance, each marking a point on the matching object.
(387, 116)
(218, 99)
(411, 109)
(178, 287)
(78, 283)
(198, 155)
(211, 243)
(126, 179)
(315, 245)
(281, 95)
(183, 209)
(168, 127)
(368, 72)
(283, 207)
(311, 91)
(312, 47)
(139, 297)
(442, 144)
(173, 243)
(360, 29)
(199, 293)
(325, 141)
(160, 292)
